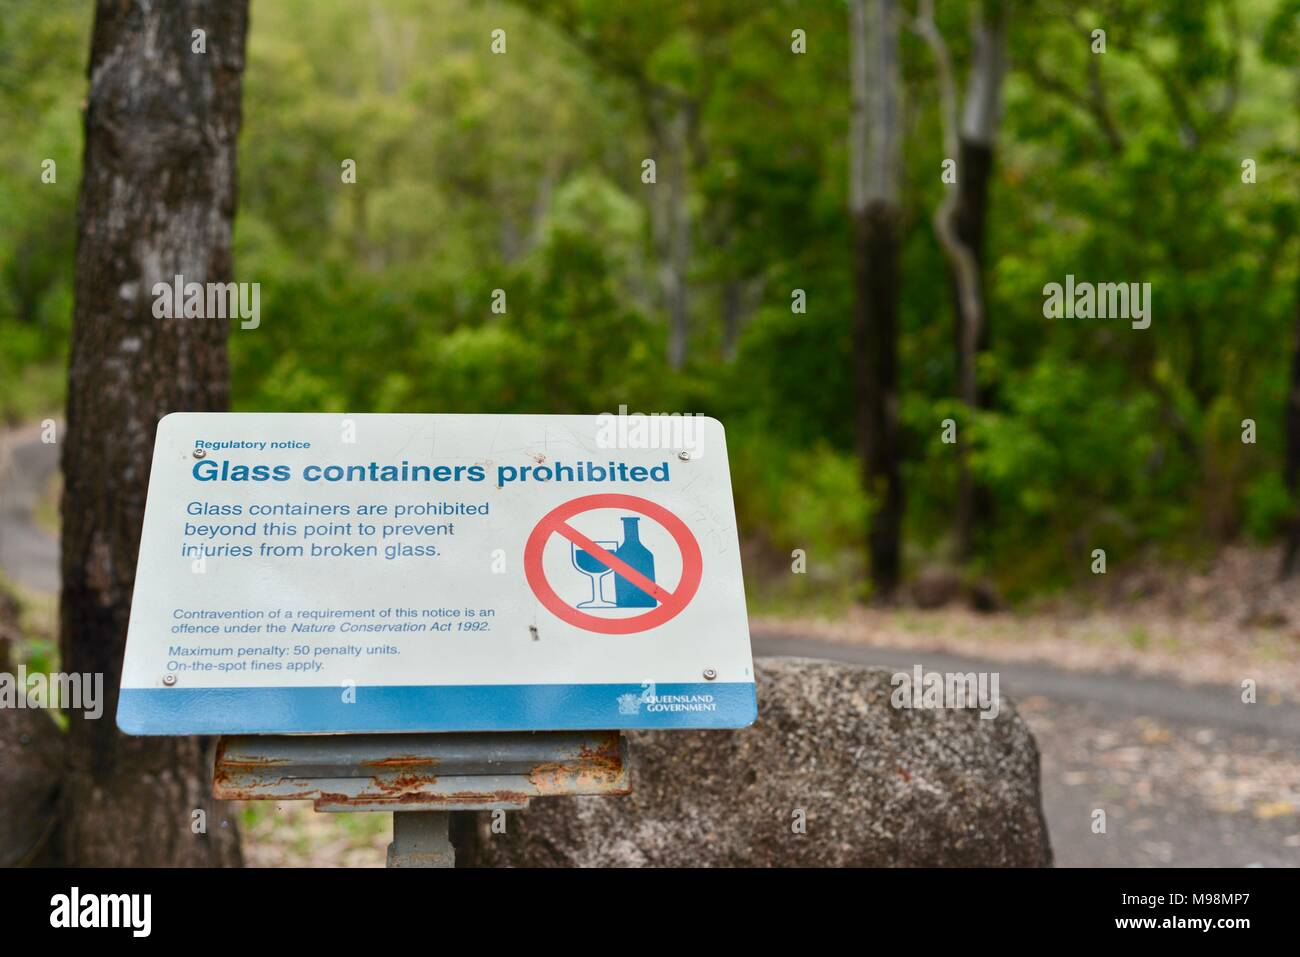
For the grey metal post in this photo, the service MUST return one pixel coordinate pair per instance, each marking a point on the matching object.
(421, 839)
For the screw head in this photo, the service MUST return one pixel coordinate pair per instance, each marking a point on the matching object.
(169, 680)
(200, 453)
(684, 455)
(710, 674)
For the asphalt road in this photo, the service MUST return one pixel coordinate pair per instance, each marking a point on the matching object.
(29, 555)
(1187, 776)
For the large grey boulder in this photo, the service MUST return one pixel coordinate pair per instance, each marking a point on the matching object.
(876, 786)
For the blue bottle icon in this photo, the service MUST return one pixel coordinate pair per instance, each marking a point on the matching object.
(627, 595)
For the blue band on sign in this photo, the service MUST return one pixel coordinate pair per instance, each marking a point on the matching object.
(413, 708)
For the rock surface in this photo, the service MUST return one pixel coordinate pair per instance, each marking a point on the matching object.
(876, 786)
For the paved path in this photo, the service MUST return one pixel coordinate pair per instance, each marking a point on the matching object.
(29, 555)
(1187, 776)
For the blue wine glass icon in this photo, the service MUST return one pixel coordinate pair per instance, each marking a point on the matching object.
(597, 571)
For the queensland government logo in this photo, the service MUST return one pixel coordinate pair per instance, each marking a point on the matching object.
(631, 703)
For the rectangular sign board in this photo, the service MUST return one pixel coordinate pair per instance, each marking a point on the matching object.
(323, 573)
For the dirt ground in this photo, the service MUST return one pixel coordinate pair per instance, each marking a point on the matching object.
(1223, 624)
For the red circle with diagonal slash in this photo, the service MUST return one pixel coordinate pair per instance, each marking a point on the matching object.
(670, 602)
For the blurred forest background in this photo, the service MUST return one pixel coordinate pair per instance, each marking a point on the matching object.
(524, 172)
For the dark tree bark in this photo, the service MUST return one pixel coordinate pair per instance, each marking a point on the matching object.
(875, 155)
(157, 199)
(959, 225)
(974, 502)
(875, 322)
(977, 137)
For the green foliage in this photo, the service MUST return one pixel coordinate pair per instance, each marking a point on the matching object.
(41, 50)
(811, 501)
(1268, 505)
(478, 172)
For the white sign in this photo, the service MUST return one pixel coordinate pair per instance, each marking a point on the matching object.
(357, 573)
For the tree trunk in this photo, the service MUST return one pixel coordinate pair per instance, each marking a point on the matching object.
(157, 199)
(1291, 467)
(875, 160)
(975, 167)
(974, 503)
(738, 298)
(671, 135)
(876, 286)
(732, 311)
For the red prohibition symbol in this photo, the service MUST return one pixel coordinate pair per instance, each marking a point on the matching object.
(670, 602)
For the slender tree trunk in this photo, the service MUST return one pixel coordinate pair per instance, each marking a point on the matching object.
(975, 167)
(672, 221)
(157, 199)
(959, 224)
(738, 298)
(732, 311)
(679, 260)
(974, 507)
(875, 161)
(1291, 467)
(876, 285)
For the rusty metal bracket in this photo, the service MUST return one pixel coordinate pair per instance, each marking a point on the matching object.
(420, 772)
